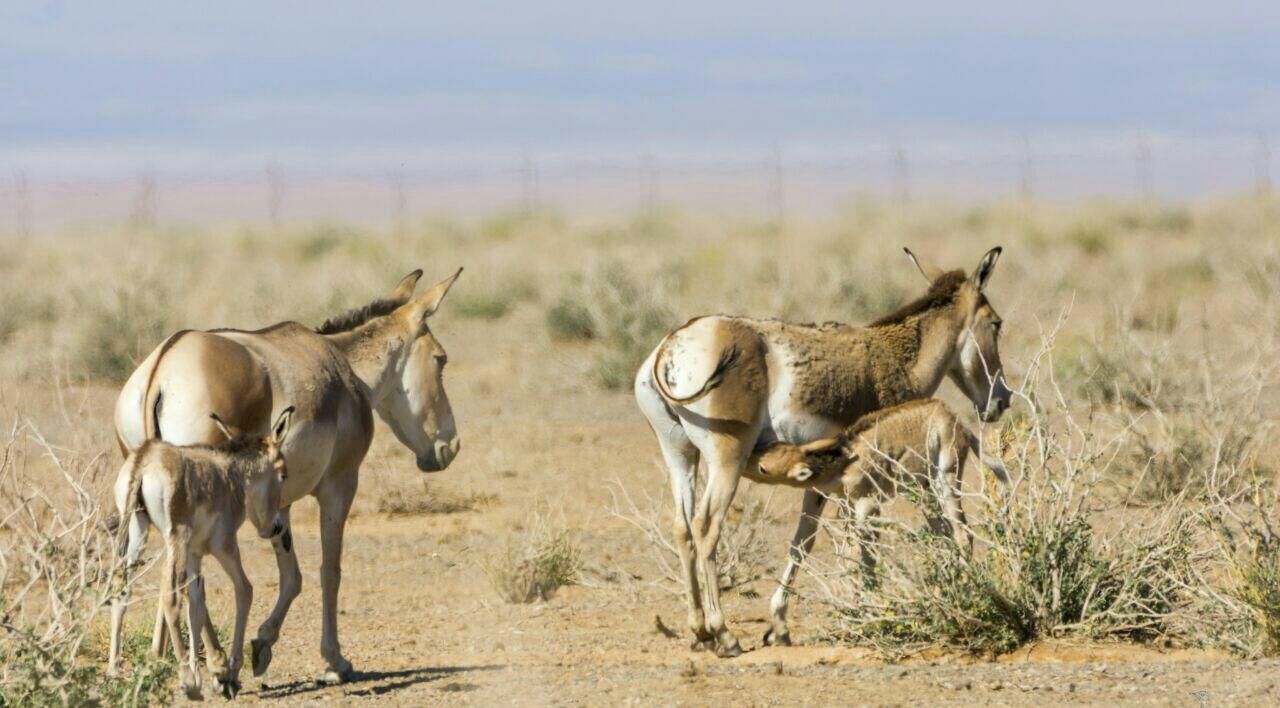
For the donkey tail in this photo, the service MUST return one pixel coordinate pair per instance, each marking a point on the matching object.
(994, 463)
(133, 504)
(153, 397)
(728, 358)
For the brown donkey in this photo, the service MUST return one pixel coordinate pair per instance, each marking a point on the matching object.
(720, 388)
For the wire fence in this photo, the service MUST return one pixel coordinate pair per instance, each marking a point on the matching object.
(772, 182)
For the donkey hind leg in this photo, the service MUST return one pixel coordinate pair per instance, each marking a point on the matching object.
(290, 588)
(779, 634)
(725, 460)
(681, 457)
(947, 480)
(335, 497)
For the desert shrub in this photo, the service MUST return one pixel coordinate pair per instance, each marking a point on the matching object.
(122, 325)
(534, 566)
(741, 556)
(870, 294)
(569, 320)
(18, 311)
(1042, 564)
(493, 300)
(1041, 568)
(55, 590)
(1091, 239)
(625, 320)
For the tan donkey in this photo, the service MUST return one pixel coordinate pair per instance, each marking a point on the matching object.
(381, 358)
(721, 388)
(197, 496)
(921, 443)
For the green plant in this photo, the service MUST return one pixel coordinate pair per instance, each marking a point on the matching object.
(569, 320)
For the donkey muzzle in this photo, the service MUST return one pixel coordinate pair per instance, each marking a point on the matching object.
(441, 455)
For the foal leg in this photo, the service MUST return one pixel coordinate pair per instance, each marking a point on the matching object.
(865, 511)
(175, 578)
(290, 588)
(197, 616)
(229, 558)
(138, 527)
(801, 545)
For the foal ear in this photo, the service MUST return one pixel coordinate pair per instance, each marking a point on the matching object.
(427, 303)
(822, 445)
(927, 269)
(281, 427)
(985, 267)
(404, 290)
(222, 426)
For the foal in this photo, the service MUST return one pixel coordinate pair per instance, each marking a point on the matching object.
(198, 497)
(921, 442)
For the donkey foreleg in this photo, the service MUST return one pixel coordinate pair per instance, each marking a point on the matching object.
(290, 588)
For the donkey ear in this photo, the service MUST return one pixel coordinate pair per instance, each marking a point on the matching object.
(985, 267)
(427, 303)
(822, 445)
(281, 427)
(222, 426)
(927, 269)
(404, 290)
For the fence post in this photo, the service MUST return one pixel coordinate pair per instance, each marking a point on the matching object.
(901, 174)
(1142, 167)
(529, 185)
(399, 201)
(1028, 170)
(275, 194)
(777, 188)
(22, 203)
(144, 203)
(1263, 167)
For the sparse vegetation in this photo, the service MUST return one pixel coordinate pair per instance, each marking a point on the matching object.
(535, 565)
(121, 326)
(57, 569)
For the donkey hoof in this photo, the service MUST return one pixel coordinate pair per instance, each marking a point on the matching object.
(339, 672)
(774, 639)
(701, 643)
(728, 651)
(192, 690)
(260, 652)
(229, 689)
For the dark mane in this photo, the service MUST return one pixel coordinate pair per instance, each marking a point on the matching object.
(940, 294)
(354, 318)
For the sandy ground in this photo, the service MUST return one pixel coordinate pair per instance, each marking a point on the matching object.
(422, 625)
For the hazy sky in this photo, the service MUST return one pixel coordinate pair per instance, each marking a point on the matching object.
(370, 75)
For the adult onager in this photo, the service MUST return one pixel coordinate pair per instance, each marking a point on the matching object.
(921, 443)
(198, 497)
(718, 388)
(381, 358)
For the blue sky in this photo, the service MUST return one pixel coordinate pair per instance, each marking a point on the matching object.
(377, 75)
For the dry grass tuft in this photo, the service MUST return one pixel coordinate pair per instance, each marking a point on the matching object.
(533, 566)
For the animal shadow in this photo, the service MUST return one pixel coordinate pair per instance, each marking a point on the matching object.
(379, 682)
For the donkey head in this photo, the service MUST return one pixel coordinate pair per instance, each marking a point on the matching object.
(975, 366)
(416, 407)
